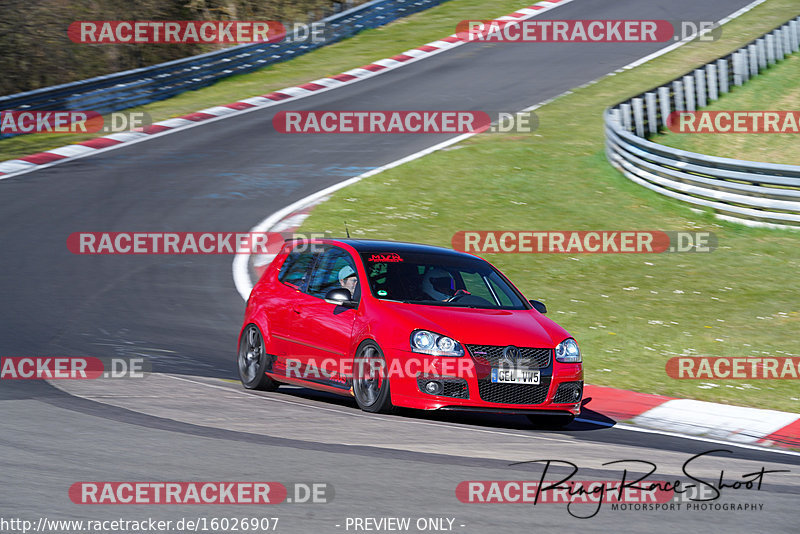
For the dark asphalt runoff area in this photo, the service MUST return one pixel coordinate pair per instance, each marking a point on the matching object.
(192, 423)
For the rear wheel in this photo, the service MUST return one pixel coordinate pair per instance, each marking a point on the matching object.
(551, 422)
(370, 383)
(253, 360)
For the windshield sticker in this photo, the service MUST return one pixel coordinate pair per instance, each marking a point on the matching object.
(390, 257)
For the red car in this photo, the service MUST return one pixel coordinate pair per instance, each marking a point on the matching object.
(407, 325)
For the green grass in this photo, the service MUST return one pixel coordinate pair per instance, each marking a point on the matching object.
(777, 89)
(364, 48)
(630, 313)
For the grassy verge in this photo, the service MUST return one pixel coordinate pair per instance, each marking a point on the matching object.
(777, 89)
(630, 313)
(368, 46)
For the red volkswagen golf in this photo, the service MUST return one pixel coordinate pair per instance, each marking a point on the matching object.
(407, 325)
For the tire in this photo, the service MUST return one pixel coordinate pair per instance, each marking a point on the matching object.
(253, 359)
(370, 386)
(551, 422)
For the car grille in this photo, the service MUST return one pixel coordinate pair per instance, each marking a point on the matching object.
(568, 393)
(514, 393)
(529, 357)
(452, 387)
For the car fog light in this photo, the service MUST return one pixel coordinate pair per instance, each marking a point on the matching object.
(433, 387)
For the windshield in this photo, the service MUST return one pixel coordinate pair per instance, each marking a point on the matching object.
(439, 280)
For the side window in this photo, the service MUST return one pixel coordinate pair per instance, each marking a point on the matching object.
(294, 269)
(334, 269)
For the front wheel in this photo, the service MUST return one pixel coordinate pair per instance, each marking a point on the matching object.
(370, 383)
(551, 422)
(253, 359)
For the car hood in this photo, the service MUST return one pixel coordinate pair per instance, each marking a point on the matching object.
(523, 328)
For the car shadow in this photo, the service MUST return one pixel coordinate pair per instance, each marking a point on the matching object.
(588, 420)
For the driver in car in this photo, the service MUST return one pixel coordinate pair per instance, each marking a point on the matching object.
(348, 279)
(438, 284)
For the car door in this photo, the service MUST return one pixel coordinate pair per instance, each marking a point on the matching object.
(292, 280)
(321, 332)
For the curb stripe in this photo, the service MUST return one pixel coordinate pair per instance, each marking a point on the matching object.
(788, 436)
(42, 157)
(276, 96)
(100, 142)
(311, 86)
(155, 128)
(240, 105)
(197, 116)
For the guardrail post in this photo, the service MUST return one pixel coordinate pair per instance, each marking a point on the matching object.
(761, 51)
(711, 76)
(688, 84)
(738, 69)
(652, 112)
(787, 43)
(700, 84)
(745, 68)
(663, 100)
(794, 35)
(625, 111)
(770, 49)
(753, 57)
(677, 89)
(615, 116)
(638, 116)
(722, 74)
(779, 55)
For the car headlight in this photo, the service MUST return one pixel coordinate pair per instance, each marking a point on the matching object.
(435, 344)
(568, 352)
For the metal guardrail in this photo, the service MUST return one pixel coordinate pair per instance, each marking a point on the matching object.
(746, 191)
(122, 90)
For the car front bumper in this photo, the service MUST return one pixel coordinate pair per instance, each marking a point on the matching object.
(466, 385)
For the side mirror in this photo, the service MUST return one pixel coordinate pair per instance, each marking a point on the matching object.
(341, 297)
(538, 306)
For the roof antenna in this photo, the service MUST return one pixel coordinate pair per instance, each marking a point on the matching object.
(346, 230)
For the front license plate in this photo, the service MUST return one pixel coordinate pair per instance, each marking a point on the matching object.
(515, 376)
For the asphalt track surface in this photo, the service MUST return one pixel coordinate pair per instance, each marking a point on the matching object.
(183, 313)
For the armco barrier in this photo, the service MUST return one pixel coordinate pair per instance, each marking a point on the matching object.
(122, 90)
(750, 192)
